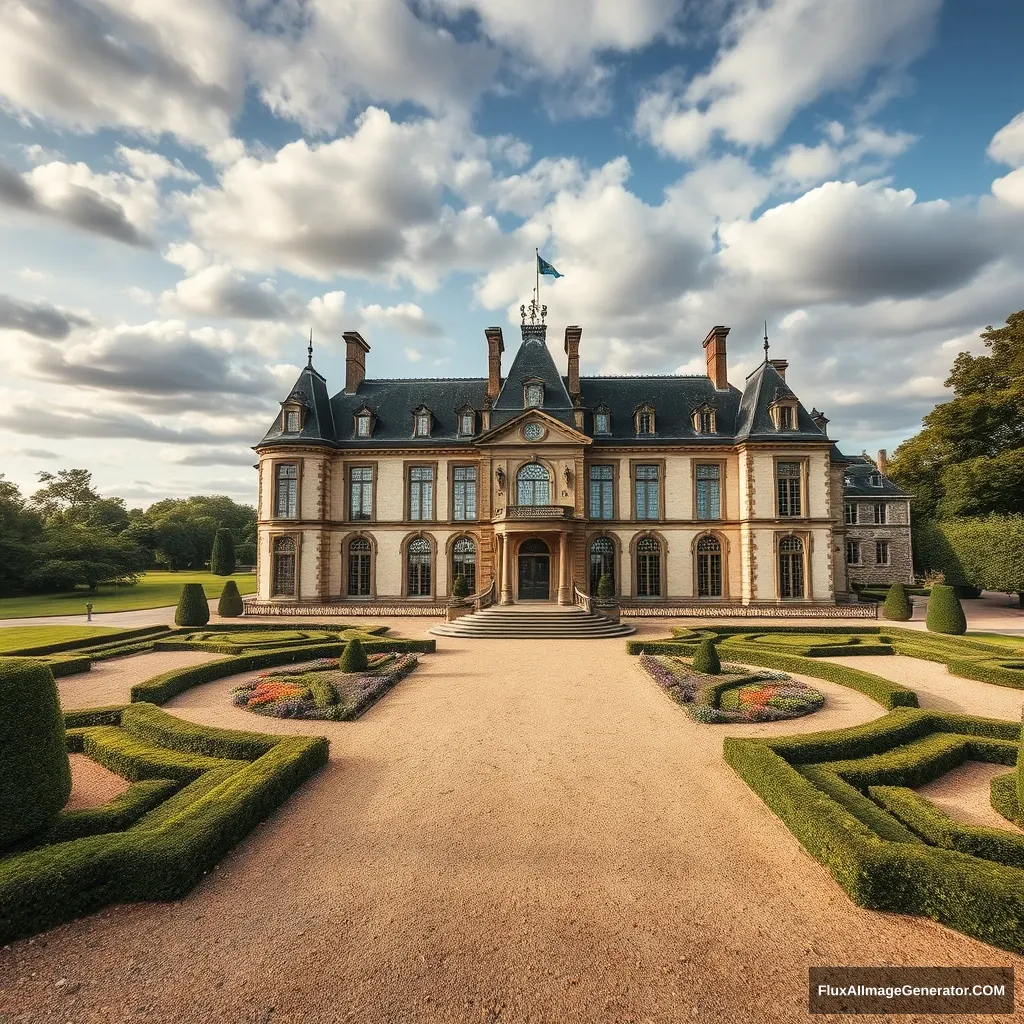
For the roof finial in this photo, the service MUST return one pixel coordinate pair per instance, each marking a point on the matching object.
(309, 351)
(766, 341)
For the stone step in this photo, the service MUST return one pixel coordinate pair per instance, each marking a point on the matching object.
(499, 624)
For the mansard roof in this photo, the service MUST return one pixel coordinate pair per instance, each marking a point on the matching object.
(309, 391)
(764, 387)
(858, 481)
(533, 362)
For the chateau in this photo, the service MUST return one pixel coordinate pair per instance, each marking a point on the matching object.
(686, 490)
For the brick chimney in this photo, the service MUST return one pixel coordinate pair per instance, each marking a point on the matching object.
(882, 462)
(781, 365)
(714, 345)
(355, 361)
(495, 346)
(572, 350)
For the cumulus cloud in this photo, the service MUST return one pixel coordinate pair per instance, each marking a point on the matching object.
(774, 60)
(221, 291)
(38, 318)
(406, 317)
(1007, 145)
(212, 456)
(150, 166)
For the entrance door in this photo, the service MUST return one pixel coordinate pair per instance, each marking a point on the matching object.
(534, 571)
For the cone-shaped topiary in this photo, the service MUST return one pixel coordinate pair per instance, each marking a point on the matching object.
(35, 774)
(706, 659)
(193, 608)
(230, 603)
(353, 658)
(606, 587)
(460, 588)
(222, 557)
(945, 613)
(897, 605)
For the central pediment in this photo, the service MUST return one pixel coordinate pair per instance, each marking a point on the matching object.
(533, 427)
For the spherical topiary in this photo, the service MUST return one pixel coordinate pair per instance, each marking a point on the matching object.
(353, 658)
(945, 613)
(230, 603)
(35, 774)
(606, 587)
(897, 605)
(460, 588)
(193, 608)
(706, 659)
(222, 557)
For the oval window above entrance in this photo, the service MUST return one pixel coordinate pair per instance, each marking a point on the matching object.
(533, 431)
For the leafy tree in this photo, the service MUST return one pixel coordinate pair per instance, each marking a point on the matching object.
(245, 554)
(82, 556)
(108, 514)
(969, 458)
(65, 497)
(21, 528)
(174, 546)
(222, 557)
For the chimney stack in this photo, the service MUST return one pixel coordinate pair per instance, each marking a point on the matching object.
(781, 365)
(355, 361)
(572, 350)
(495, 346)
(882, 462)
(820, 421)
(714, 345)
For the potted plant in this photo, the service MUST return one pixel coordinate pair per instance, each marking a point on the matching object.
(605, 602)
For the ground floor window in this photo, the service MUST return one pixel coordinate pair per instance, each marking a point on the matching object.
(283, 583)
(648, 568)
(853, 552)
(882, 552)
(418, 570)
(791, 567)
(464, 562)
(359, 552)
(709, 567)
(602, 562)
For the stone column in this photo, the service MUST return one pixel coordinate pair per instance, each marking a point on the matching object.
(564, 587)
(506, 570)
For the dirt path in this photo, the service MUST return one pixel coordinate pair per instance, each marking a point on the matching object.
(963, 794)
(520, 831)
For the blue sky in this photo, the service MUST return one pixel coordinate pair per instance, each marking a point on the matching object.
(186, 189)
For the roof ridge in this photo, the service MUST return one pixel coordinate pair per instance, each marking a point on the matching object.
(418, 380)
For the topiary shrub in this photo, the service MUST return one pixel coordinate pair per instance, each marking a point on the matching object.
(353, 658)
(460, 588)
(606, 588)
(706, 659)
(193, 608)
(35, 774)
(897, 605)
(945, 613)
(230, 603)
(222, 557)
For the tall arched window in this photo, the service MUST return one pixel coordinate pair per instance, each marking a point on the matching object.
(464, 561)
(533, 485)
(359, 554)
(791, 567)
(648, 567)
(283, 583)
(709, 567)
(418, 569)
(602, 561)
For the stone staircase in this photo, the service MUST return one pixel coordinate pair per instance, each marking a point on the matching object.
(537, 622)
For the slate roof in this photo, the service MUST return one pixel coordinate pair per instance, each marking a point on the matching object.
(763, 387)
(857, 483)
(318, 424)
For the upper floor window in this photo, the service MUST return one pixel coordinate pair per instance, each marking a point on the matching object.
(647, 492)
(464, 493)
(467, 422)
(602, 421)
(291, 421)
(882, 552)
(644, 420)
(788, 488)
(704, 420)
(875, 479)
(709, 491)
(364, 424)
(879, 515)
(533, 396)
(421, 492)
(849, 514)
(853, 552)
(602, 482)
(785, 418)
(286, 490)
(783, 414)
(533, 485)
(360, 497)
(421, 423)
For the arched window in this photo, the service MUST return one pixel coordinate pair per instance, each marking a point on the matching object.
(791, 567)
(464, 561)
(359, 554)
(283, 583)
(709, 567)
(648, 567)
(533, 485)
(418, 570)
(602, 561)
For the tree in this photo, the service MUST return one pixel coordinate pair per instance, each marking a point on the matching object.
(108, 514)
(21, 528)
(75, 556)
(969, 458)
(174, 546)
(222, 557)
(65, 497)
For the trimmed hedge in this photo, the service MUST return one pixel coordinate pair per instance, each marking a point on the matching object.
(114, 816)
(945, 613)
(230, 603)
(66, 665)
(897, 606)
(134, 759)
(102, 640)
(1003, 796)
(148, 723)
(82, 717)
(706, 660)
(222, 556)
(193, 607)
(35, 774)
(985, 672)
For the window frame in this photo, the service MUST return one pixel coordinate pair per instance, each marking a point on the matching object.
(422, 413)
(854, 547)
(349, 467)
(634, 558)
(704, 420)
(296, 541)
(360, 415)
(527, 385)
(882, 545)
(614, 466)
(880, 514)
(633, 465)
(463, 414)
(802, 462)
(275, 466)
(407, 468)
(346, 568)
(805, 539)
(849, 513)
(431, 567)
(645, 410)
(875, 479)
(613, 541)
(453, 469)
(455, 541)
(602, 410)
(721, 464)
(723, 565)
(552, 483)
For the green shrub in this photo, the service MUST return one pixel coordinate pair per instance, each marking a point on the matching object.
(945, 613)
(1020, 772)
(1003, 796)
(460, 588)
(222, 557)
(606, 587)
(193, 608)
(134, 759)
(35, 774)
(323, 693)
(897, 605)
(353, 658)
(706, 659)
(986, 672)
(114, 816)
(230, 603)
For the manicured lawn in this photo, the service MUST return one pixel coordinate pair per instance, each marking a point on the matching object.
(14, 638)
(154, 590)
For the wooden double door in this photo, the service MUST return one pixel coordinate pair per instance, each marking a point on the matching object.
(534, 571)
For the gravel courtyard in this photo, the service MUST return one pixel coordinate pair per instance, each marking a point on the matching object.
(520, 831)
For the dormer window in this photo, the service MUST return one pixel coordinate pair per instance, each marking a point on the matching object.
(875, 480)
(421, 422)
(291, 421)
(644, 417)
(533, 395)
(704, 420)
(467, 422)
(602, 420)
(364, 423)
(783, 414)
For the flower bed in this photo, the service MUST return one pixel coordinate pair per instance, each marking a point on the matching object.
(736, 695)
(320, 691)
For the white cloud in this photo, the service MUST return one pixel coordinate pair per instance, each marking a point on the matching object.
(1007, 145)
(188, 256)
(865, 151)
(31, 275)
(150, 166)
(221, 291)
(406, 317)
(414, 355)
(1010, 189)
(775, 60)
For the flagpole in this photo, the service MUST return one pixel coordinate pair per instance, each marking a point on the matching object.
(536, 267)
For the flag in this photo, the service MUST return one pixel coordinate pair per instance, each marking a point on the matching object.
(543, 267)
